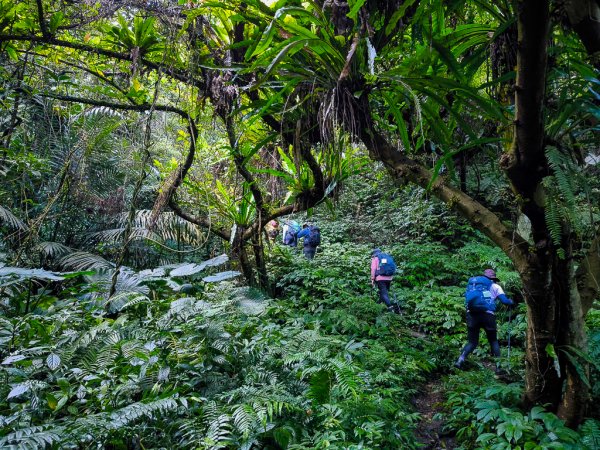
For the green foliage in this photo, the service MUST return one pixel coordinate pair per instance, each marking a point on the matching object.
(226, 368)
(487, 416)
(164, 363)
(562, 188)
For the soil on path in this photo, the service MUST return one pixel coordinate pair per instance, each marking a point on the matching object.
(430, 429)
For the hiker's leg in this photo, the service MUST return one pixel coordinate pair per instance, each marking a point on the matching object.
(472, 335)
(384, 287)
(492, 334)
(309, 252)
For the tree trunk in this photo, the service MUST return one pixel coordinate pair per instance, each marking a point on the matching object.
(555, 325)
(245, 264)
(239, 252)
(571, 335)
(542, 383)
(261, 266)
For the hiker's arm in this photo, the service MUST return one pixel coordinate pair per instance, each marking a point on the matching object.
(302, 233)
(498, 292)
(504, 299)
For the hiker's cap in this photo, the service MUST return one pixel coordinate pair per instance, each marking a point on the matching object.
(490, 274)
(375, 251)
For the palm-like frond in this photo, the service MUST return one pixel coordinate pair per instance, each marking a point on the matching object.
(53, 249)
(116, 235)
(27, 274)
(80, 260)
(10, 220)
(168, 227)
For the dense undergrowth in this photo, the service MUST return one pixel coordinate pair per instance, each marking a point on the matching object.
(321, 366)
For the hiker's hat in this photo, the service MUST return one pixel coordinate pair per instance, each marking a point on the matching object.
(490, 274)
(375, 251)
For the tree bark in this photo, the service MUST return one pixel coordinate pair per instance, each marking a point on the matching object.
(571, 335)
(261, 266)
(584, 17)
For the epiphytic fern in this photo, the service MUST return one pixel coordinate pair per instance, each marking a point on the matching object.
(561, 191)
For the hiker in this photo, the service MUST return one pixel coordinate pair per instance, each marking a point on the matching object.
(480, 301)
(272, 229)
(312, 239)
(290, 232)
(383, 269)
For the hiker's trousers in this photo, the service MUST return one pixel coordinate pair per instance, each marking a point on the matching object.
(475, 322)
(384, 291)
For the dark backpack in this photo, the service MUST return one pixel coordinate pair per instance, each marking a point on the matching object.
(314, 236)
(387, 265)
(290, 236)
(478, 297)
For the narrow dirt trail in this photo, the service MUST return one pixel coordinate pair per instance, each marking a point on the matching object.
(430, 430)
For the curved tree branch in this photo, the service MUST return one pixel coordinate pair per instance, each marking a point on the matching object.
(481, 218)
(121, 106)
(200, 221)
(179, 75)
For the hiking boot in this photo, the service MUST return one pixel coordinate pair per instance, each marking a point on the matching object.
(459, 363)
(500, 372)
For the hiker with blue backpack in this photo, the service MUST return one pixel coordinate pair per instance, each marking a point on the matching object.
(290, 232)
(312, 239)
(383, 268)
(480, 301)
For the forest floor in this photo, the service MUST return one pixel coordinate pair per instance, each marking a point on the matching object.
(430, 431)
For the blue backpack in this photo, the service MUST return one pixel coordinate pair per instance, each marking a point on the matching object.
(478, 297)
(387, 265)
(290, 233)
(314, 236)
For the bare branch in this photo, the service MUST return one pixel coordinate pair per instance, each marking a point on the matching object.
(179, 75)
(200, 221)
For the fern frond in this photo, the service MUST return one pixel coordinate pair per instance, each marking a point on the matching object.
(32, 437)
(219, 432)
(135, 411)
(348, 382)
(590, 431)
(563, 170)
(553, 221)
(244, 419)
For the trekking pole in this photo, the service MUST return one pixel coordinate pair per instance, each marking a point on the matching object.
(509, 323)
